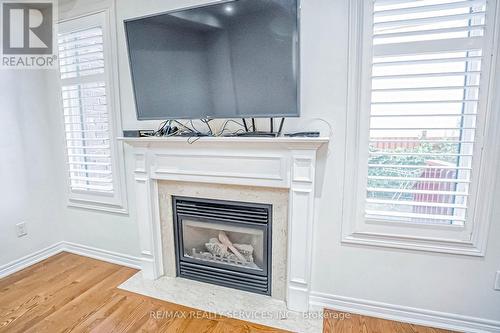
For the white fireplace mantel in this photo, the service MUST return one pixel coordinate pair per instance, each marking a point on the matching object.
(270, 162)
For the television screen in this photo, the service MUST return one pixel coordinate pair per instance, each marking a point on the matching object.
(228, 60)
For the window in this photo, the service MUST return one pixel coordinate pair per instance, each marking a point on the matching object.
(424, 94)
(87, 104)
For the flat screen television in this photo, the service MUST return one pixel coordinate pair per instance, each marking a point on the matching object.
(233, 59)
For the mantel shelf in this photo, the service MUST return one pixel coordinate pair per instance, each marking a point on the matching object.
(292, 141)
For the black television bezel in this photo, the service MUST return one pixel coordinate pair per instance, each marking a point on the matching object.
(232, 116)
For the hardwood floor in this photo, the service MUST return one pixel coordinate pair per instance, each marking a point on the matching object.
(71, 293)
(337, 322)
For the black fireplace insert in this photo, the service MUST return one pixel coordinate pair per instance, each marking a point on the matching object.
(226, 243)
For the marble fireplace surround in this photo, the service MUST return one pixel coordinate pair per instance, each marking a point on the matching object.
(166, 166)
(277, 197)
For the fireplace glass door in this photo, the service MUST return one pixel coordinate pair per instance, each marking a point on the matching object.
(216, 243)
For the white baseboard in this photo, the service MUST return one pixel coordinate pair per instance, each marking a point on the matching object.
(30, 259)
(405, 314)
(87, 251)
(104, 255)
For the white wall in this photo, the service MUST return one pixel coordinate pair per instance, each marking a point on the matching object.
(26, 166)
(448, 283)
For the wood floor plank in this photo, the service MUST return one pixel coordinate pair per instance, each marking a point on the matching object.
(43, 268)
(54, 299)
(139, 317)
(84, 305)
(43, 283)
(338, 322)
(71, 293)
(10, 280)
(28, 296)
(115, 316)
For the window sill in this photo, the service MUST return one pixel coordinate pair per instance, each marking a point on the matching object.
(98, 207)
(467, 248)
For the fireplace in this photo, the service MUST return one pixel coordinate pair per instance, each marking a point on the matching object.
(277, 171)
(227, 243)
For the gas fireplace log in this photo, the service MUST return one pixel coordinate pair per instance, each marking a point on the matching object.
(216, 248)
(225, 240)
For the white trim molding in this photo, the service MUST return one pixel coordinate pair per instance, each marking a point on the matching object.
(31, 259)
(406, 314)
(83, 250)
(468, 239)
(267, 162)
(104, 255)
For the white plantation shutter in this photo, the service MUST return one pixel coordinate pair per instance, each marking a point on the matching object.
(81, 59)
(86, 104)
(426, 86)
(81, 53)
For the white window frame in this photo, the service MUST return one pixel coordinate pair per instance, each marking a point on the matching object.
(469, 239)
(116, 202)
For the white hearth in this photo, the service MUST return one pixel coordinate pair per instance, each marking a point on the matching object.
(269, 165)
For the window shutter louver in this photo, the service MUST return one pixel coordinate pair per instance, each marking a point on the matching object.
(425, 88)
(86, 118)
